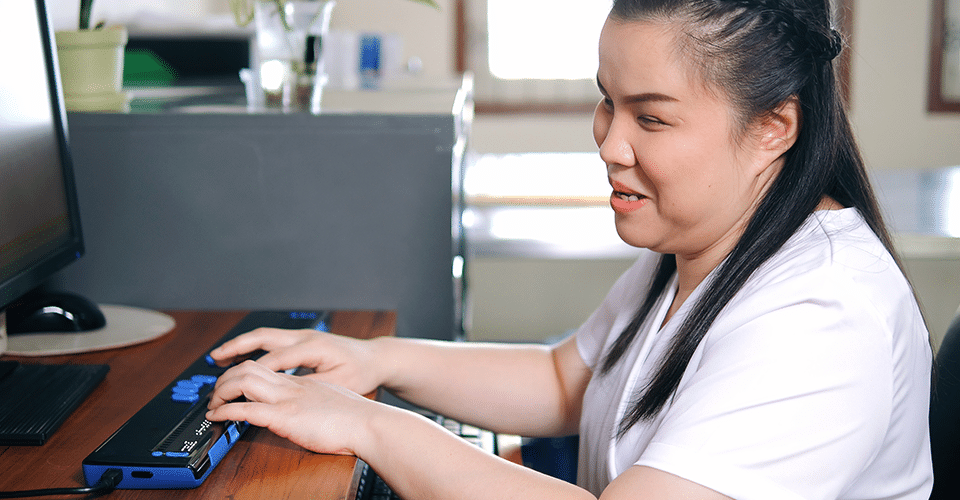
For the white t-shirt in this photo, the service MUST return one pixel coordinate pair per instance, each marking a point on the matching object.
(812, 383)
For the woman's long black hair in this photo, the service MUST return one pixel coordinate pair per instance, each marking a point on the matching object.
(760, 54)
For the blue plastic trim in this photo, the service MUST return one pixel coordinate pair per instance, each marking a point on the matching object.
(168, 477)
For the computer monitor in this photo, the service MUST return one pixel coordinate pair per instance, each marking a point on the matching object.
(40, 229)
(39, 216)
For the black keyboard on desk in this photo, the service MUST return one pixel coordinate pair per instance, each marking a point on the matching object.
(169, 443)
(373, 487)
(36, 398)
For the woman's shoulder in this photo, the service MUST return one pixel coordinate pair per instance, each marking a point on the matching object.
(834, 245)
(836, 261)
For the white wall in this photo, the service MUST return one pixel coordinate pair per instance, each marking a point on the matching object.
(535, 299)
(890, 63)
(533, 133)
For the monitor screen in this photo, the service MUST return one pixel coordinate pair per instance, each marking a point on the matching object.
(39, 220)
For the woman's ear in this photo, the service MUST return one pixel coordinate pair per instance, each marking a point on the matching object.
(779, 130)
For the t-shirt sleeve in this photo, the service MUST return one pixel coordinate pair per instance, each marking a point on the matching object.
(617, 308)
(790, 401)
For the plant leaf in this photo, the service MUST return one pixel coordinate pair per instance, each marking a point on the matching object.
(431, 3)
(86, 7)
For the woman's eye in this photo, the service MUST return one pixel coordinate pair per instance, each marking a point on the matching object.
(650, 121)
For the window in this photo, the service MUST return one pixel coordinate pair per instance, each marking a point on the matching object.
(533, 54)
(528, 40)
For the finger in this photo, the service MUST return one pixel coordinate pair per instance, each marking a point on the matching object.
(248, 380)
(254, 413)
(261, 338)
(241, 411)
(281, 359)
(223, 394)
(235, 348)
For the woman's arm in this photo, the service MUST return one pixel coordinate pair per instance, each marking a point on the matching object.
(646, 483)
(519, 389)
(529, 390)
(418, 459)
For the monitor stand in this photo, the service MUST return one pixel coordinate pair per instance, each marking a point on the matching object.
(125, 326)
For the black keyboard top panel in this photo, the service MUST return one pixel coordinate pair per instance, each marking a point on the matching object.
(36, 398)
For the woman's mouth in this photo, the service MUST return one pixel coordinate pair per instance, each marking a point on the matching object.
(627, 196)
(624, 200)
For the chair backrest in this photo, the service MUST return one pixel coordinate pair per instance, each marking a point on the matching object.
(945, 417)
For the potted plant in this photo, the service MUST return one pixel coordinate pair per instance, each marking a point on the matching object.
(91, 64)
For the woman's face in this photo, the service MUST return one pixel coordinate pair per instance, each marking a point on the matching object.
(683, 179)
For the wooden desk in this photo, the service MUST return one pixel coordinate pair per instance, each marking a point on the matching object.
(259, 466)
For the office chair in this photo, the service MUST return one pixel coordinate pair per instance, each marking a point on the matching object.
(945, 417)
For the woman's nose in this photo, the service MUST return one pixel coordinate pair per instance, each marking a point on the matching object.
(614, 143)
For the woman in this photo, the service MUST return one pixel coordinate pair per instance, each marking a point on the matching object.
(768, 345)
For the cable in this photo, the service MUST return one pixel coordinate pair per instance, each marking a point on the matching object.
(107, 483)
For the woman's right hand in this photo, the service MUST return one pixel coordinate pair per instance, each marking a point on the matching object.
(320, 417)
(334, 359)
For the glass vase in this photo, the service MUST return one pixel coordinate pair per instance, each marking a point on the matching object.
(289, 62)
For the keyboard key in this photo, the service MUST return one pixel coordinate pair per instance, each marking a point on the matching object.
(185, 397)
(204, 379)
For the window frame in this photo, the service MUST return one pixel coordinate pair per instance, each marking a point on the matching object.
(937, 101)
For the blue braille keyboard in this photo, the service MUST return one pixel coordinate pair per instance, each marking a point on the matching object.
(169, 443)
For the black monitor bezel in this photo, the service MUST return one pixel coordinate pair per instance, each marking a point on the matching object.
(38, 271)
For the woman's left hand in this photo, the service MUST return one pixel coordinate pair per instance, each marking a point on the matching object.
(317, 416)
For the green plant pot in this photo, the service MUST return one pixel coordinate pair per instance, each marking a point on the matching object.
(91, 68)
